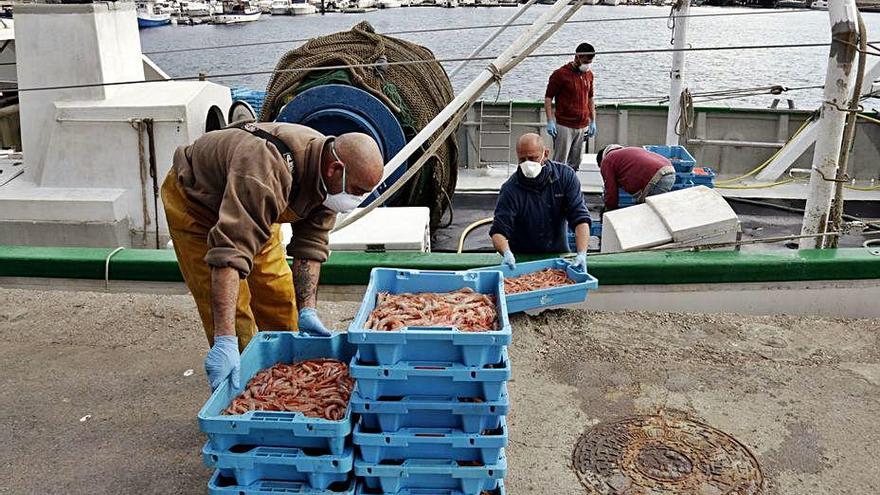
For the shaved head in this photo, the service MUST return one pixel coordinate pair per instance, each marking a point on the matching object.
(531, 147)
(363, 164)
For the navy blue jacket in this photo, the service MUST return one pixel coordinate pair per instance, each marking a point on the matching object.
(532, 213)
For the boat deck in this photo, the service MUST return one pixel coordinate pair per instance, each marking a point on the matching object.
(477, 190)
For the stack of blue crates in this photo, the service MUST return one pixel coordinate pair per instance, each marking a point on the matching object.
(253, 97)
(263, 452)
(686, 175)
(431, 401)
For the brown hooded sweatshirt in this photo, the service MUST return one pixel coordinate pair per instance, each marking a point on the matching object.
(238, 186)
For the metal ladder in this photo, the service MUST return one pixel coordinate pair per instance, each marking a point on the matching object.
(493, 121)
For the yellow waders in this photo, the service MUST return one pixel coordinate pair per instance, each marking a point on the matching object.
(266, 299)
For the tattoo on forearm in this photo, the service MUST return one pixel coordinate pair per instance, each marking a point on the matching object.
(304, 285)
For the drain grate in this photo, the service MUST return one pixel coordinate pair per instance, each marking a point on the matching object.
(653, 455)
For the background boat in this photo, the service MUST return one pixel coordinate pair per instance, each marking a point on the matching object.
(151, 15)
(236, 12)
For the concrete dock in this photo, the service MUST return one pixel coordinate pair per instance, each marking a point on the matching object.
(100, 400)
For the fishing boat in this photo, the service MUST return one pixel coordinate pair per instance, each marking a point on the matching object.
(302, 7)
(359, 6)
(150, 15)
(52, 203)
(236, 11)
(195, 9)
(265, 6)
(280, 7)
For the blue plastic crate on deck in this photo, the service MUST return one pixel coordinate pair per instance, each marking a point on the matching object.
(248, 465)
(484, 447)
(437, 377)
(389, 414)
(221, 485)
(704, 176)
(430, 343)
(678, 155)
(433, 475)
(277, 428)
(556, 296)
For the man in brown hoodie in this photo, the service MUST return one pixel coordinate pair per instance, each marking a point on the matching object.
(225, 197)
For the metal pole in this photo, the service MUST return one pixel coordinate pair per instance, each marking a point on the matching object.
(849, 136)
(676, 75)
(490, 39)
(482, 81)
(832, 117)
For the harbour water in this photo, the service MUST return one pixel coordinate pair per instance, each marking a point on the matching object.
(619, 77)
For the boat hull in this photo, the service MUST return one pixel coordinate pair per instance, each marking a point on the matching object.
(148, 22)
(236, 18)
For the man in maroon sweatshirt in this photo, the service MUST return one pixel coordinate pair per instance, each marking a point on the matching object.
(574, 118)
(634, 169)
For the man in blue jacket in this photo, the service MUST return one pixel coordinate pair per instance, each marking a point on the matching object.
(534, 205)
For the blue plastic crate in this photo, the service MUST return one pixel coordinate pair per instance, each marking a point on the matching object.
(221, 485)
(430, 343)
(363, 490)
(434, 474)
(556, 296)
(430, 443)
(394, 413)
(678, 155)
(683, 185)
(684, 178)
(704, 176)
(277, 428)
(435, 377)
(247, 465)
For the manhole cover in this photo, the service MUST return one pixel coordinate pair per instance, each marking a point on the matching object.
(652, 455)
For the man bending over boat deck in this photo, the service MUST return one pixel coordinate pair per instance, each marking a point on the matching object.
(634, 169)
(536, 202)
(575, 117)
(225, 197)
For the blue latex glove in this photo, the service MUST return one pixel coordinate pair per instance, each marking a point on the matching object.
(223, 362)
(591, 129)
(580, 261)
(509, 260)
(311, 324)
(551, 129)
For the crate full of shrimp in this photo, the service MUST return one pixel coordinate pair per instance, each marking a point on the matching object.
(224, 485)
(295, 392)
(413, 315)
(542, 284)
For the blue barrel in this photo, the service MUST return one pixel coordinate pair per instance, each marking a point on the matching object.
(335, 109)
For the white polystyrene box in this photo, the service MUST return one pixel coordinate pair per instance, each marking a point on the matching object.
(635, 227)
(383, 229)
(386, 229)
(696, 214)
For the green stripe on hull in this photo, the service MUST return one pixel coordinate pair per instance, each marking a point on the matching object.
(345, 268)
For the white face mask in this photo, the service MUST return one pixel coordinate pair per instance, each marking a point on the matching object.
(585, 67)
(531, 169)
(343, 202)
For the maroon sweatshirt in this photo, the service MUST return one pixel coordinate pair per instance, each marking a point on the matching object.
(631, 169)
